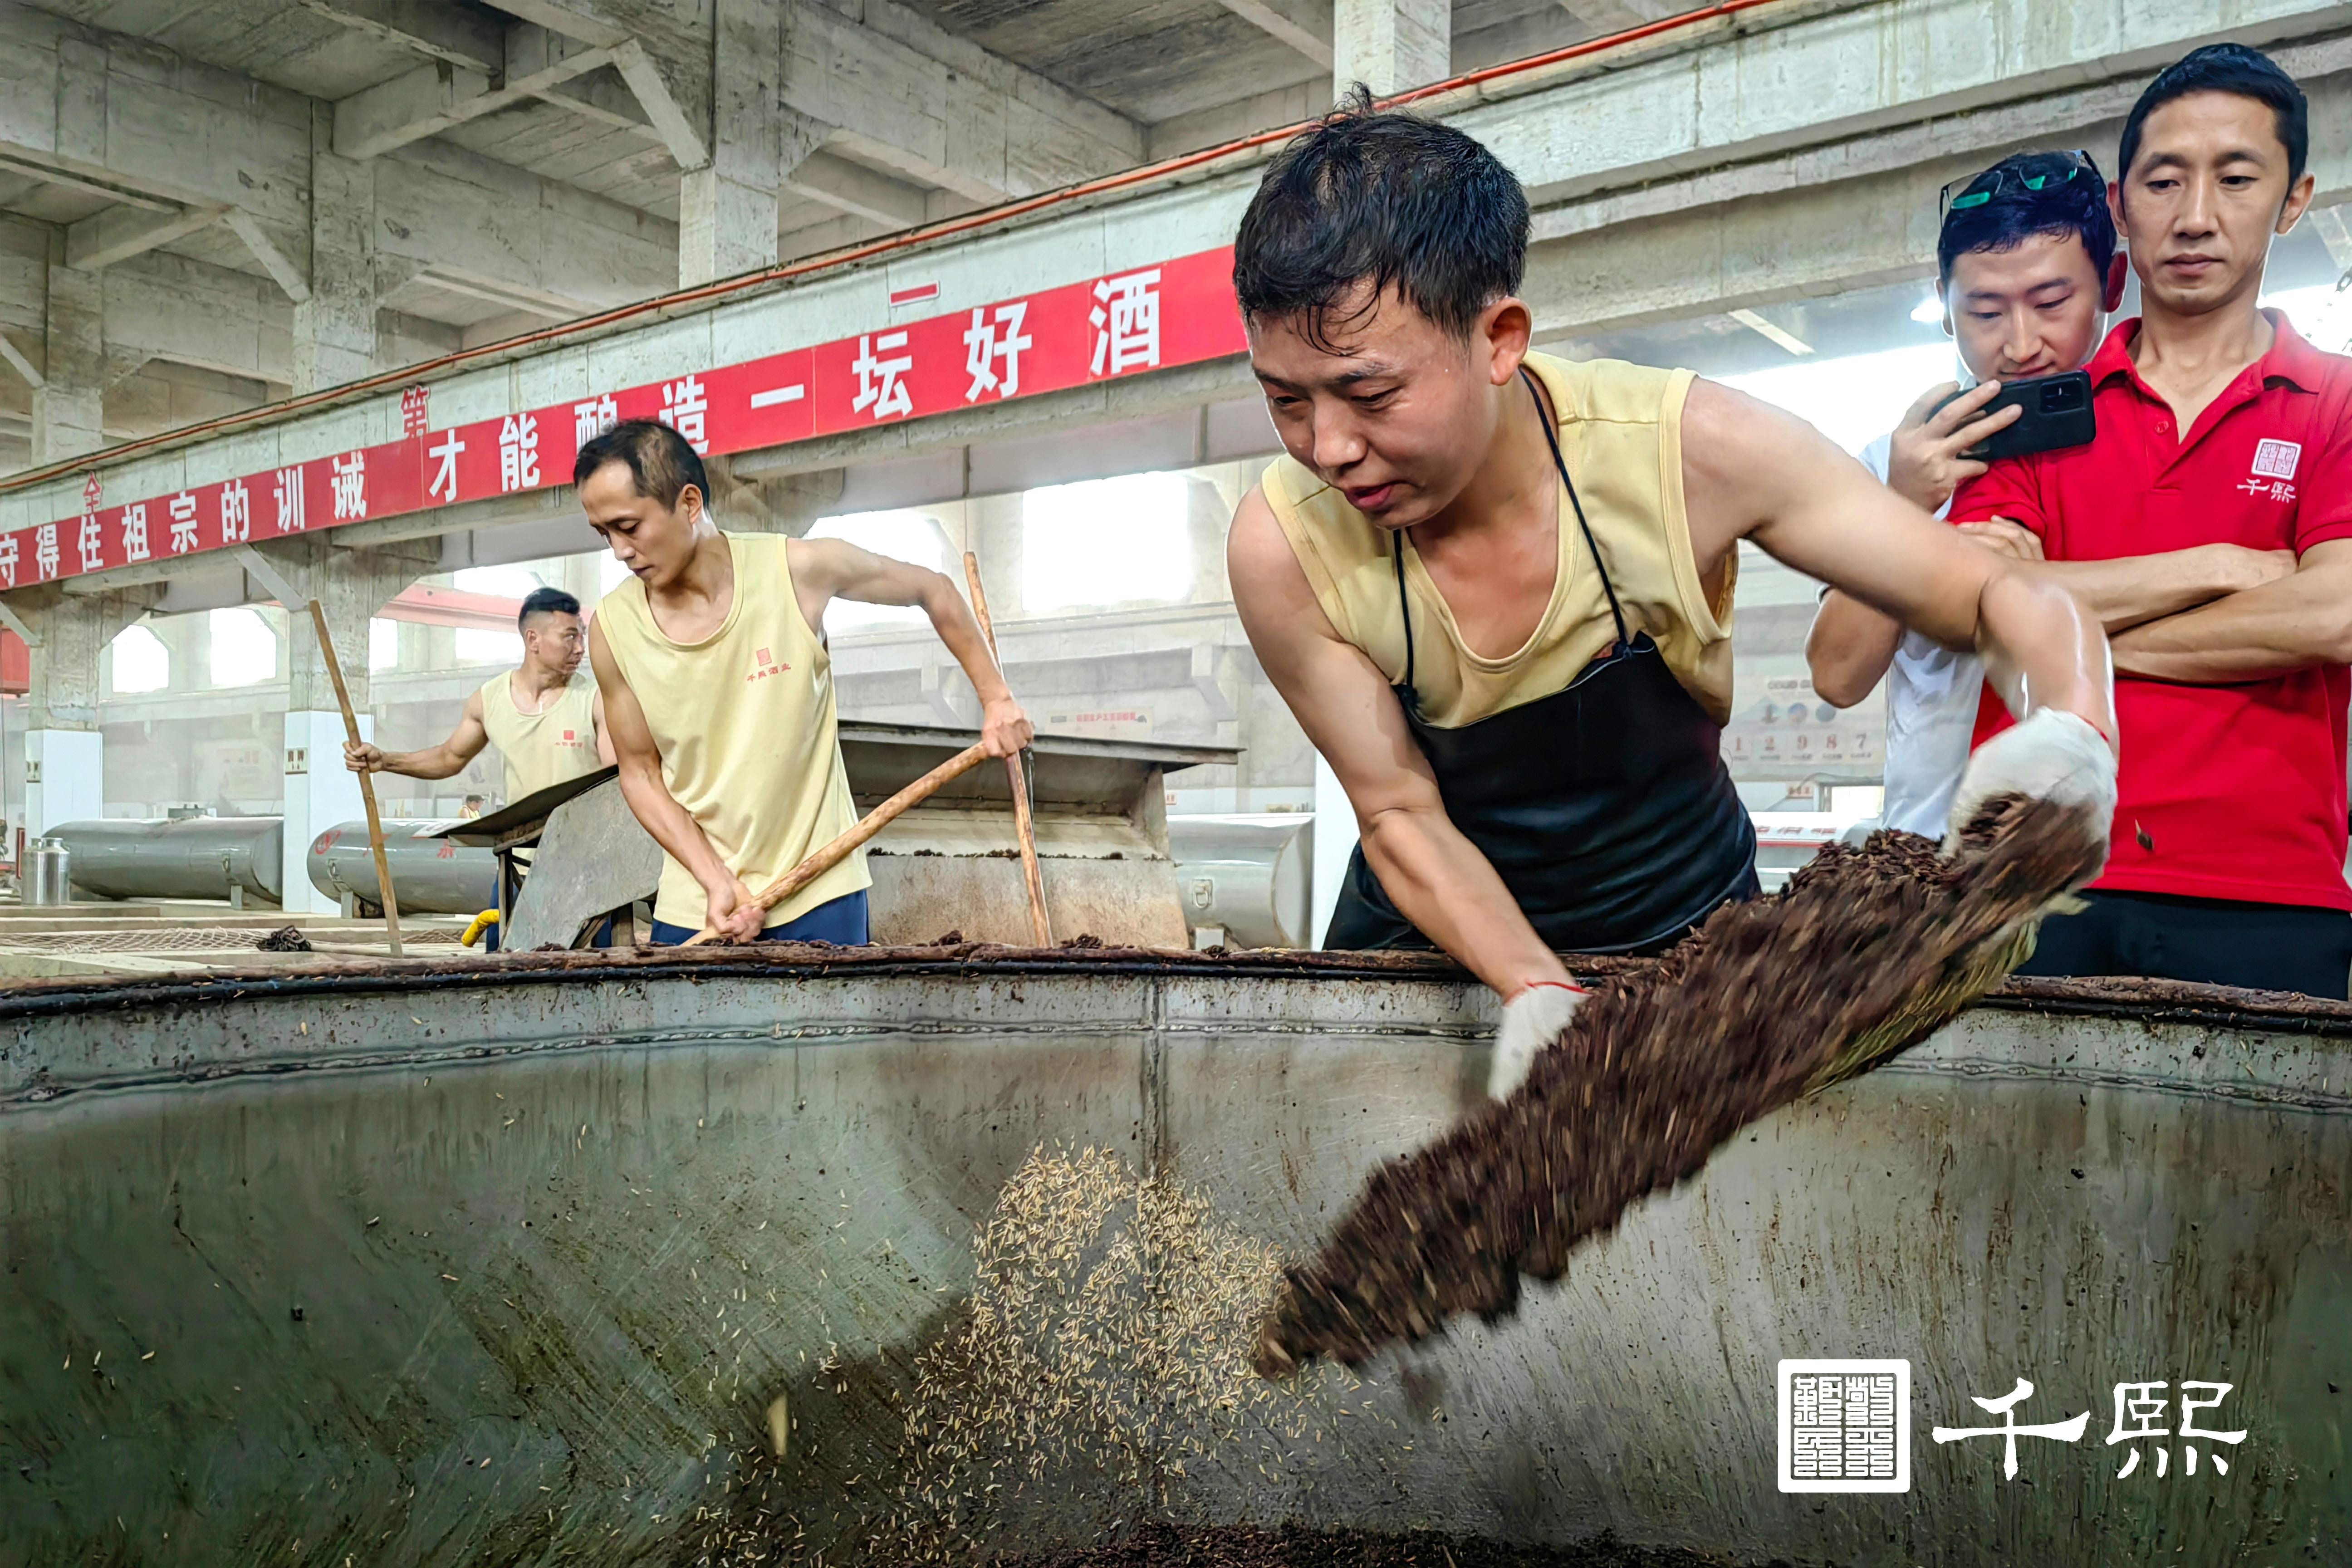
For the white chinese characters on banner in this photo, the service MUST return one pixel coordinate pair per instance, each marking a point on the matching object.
(879, 387)
(134, 525)
(1126, 318)
(44, 552)
(443, 486)
(686, 405)
(986, 342)
(350, 484)
(89, 542)
(236, 513)
(184, 527)
(593, 418)
(287, 490)
(8, 559)
(518, 453)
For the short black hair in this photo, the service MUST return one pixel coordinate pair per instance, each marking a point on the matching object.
(661, 462)
(1385, 199)
(2071, 199)
(546, 601)
(2227, 68)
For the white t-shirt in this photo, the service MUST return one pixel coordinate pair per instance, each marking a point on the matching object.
(1931, 712)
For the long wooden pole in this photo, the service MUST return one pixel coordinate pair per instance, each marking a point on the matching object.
(367, 781)
(1024, 826)
(873, 822)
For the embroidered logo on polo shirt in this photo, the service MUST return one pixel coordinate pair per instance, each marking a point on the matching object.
(767, 667)
(2275, 466)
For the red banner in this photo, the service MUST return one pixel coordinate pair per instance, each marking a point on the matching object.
(1149, 318)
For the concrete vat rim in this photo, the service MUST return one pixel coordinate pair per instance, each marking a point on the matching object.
(2129, 998)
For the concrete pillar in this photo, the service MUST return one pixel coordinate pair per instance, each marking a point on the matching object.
(65, 759)
(1207, 519)
(1391, 45)
(69, 410)
(351, 586)
(334, 329)
(727, 208)
(993, 532)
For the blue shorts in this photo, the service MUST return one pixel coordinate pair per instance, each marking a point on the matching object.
(841, 921)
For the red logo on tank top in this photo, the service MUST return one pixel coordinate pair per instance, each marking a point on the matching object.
(768, 666)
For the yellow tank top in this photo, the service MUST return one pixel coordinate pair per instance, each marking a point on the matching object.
(1621, 435)
(544, 748)
(745, 724)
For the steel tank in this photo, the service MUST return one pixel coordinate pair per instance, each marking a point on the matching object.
(176, 857)
(511, 1261)
(1248, 878)
(432, 875)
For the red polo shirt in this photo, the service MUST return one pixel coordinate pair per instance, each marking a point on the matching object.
(2225, 791)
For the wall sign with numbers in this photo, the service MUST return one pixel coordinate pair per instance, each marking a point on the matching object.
(1149, 318)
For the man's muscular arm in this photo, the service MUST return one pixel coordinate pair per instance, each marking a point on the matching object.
(605, 755)
(824, 570)
(1751, 471)
(1436, 878)
(464, 744)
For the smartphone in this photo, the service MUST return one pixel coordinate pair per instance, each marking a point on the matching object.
(2057, 414)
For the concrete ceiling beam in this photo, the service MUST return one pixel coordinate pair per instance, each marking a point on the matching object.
(687, 148)
(436, 96)
(118, 234)
(20, 364)
(84, 185)
(451, 33)
(275, 261)
(1303, 25)
(941, 110)
(853, 188)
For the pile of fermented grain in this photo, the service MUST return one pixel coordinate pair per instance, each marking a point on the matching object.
(1103, 1358)
(1099, 1367)
(1866, 952)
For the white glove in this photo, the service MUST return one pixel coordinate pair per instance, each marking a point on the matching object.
(1531, 1020)
(2050, 755)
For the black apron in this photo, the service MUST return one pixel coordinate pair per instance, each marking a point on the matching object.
(1605, 807)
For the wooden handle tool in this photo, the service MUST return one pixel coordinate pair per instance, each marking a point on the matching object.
(367, 781)
(873, 822)
(1024, 826)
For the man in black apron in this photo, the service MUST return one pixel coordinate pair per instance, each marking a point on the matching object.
(1495, 586)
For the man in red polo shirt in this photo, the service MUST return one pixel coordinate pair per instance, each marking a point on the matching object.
(2216, 423)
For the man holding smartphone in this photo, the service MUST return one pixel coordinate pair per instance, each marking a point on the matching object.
(2217, 425)
(2028, 270)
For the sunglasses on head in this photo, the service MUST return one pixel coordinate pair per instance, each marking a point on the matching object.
(2078, 162)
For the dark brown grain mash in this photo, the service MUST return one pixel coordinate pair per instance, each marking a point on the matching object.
(1864, 953)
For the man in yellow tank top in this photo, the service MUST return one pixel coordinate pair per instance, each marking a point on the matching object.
(545, 717)
(1494, 587)
(718, 686)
